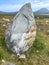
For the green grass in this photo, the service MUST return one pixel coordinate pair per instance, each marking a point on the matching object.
(32, 56)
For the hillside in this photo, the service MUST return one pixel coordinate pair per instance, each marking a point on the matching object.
(42, 11)
(7, 13)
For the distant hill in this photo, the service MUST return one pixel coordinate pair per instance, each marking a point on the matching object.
(42, 11)
(7, 13)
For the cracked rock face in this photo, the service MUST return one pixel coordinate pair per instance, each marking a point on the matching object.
(21, 31)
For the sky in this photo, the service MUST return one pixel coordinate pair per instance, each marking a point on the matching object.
(15, 5)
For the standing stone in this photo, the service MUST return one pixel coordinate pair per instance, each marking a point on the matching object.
(21, 32)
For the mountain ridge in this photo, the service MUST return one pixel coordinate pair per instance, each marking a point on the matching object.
(41, 11)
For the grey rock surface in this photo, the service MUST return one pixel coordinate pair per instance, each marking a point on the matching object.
(19, 30)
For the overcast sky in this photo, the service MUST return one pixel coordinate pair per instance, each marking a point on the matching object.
(15, 5)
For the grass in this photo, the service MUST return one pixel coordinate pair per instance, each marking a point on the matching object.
(38, 54)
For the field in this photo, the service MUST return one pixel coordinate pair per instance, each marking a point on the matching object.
(38, 54)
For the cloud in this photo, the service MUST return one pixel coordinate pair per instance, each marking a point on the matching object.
(11, 7)
(16, 7)
(41, 4)
(36, 6)
(36, 1)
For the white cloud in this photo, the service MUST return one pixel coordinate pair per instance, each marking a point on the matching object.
(16, 7)
(36, 1)
(41, 4)
(10, 7)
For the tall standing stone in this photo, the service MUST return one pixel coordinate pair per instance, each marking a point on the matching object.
(21, 32)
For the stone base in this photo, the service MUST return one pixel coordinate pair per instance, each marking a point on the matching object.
(21, 55)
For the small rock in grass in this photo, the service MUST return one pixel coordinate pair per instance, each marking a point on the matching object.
(3, 60)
